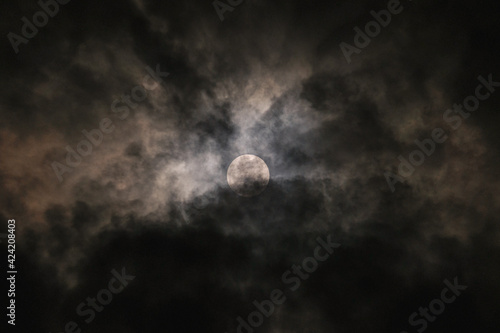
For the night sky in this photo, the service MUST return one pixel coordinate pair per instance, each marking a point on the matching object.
(120, 119)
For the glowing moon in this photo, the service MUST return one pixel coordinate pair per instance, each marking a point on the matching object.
(248, 175)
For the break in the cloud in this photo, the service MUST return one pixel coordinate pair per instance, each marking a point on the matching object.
(269, 80)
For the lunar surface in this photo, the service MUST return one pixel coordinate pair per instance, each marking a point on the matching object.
(248, 175)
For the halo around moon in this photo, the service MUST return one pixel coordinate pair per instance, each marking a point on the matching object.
(248, 175)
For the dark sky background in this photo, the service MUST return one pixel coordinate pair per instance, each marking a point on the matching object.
(269, 80)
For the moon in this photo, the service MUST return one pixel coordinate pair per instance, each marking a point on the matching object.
(248, 175)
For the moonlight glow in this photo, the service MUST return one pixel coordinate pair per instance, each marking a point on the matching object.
(248, 175)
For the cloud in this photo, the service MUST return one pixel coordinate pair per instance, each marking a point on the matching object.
(271, 81)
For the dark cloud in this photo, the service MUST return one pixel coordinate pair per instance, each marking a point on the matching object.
(269, 80)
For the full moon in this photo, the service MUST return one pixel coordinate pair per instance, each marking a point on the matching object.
(248, 175)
